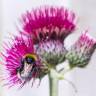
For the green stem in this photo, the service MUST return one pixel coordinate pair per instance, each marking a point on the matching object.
(53, 83)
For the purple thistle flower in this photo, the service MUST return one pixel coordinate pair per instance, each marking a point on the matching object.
(81, 51)
(48, 28)
(22, 63)
(48, 23)
(32, 57)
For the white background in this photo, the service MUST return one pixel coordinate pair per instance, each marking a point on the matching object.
(84, 79)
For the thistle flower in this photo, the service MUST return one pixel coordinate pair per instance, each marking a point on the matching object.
(48, 28)
(45, 29)
(81, 51)
(22, 63)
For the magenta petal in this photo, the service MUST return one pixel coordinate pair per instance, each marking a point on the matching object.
(43, 22)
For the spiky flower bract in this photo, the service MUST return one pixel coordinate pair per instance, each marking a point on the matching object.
(81, 52)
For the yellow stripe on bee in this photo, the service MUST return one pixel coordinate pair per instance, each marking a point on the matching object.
(31, 55)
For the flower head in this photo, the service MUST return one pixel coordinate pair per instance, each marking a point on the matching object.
(48, 28)
(48, 23)
(22, 63)
(32, 57)
(81, 51)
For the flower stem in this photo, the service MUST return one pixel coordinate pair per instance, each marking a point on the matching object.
(53, 83)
